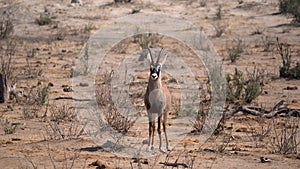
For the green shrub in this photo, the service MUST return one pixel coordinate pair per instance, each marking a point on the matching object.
(8, 127)
(236, 50)
(286, 70)
(293, 73)
(44, 20)
(6, 27)
(241, 89)
(291, 7)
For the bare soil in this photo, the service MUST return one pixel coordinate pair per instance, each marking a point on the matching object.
(46, 54)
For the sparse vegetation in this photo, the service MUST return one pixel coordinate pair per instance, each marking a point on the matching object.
(6, 27)
(39, 123)
(146, 40)
(243, 89)
(203, 3)
(286, 70)
(116, 120)
(89, 27)
(220, 29)
(268, 43)
(290, 7)
(44, 20)
(285, 140)
(219, 12)
(37, 95)
(258, 30)
(201, 116)
(9, 127)
(240, 1)
(62, 124)
(236, 50)
(7, 73)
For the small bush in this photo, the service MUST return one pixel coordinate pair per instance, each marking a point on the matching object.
(37, 95)
(62, 123)
(268, 43)
(8, 127)
(236, 50)
(241, 89)
(201, 116)
(219, 12)
(115, 119)
(258, 31)
(285, 137)
(44, 20)
(89, 27)
(203, 3)
(145, 40)
(290, 7)
(220, 29)
(62, 113)
(286, 70)
(7, 71)
(6, 27)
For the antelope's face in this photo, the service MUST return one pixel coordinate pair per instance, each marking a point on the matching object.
(155, 71)
(155, 67)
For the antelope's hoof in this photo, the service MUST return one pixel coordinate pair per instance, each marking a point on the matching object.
(162, 150)
(150, 148)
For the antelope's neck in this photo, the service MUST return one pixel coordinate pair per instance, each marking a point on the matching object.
(154, 84)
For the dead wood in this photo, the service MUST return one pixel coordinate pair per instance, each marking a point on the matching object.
(174, 164)
(280, 109)
(70, 98)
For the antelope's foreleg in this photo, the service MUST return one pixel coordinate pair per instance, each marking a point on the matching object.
(151, 132)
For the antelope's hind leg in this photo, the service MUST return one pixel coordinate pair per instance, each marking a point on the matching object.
(164, 129)
(159, 132)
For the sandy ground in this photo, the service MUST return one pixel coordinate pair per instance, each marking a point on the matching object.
(50, 136)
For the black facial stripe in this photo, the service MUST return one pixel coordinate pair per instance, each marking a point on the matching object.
(153, 70)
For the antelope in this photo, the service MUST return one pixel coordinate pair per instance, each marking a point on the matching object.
(157, 100)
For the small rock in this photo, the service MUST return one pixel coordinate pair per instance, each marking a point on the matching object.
(98, 164)
(145, 141)
(76, 2)
(264, 160)
(67, 89)
(15, 139)
(50, 84)
(83, 84)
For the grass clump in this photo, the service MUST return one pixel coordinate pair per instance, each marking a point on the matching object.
(9, 127)
(236, 50)
(285, 140)
(44, 20)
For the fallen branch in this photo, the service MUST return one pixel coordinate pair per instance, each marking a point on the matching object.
(174, 164)
(70, 98)
(280, 109)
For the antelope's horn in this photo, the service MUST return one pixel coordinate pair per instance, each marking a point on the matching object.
(150, 55)
(159, 55)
